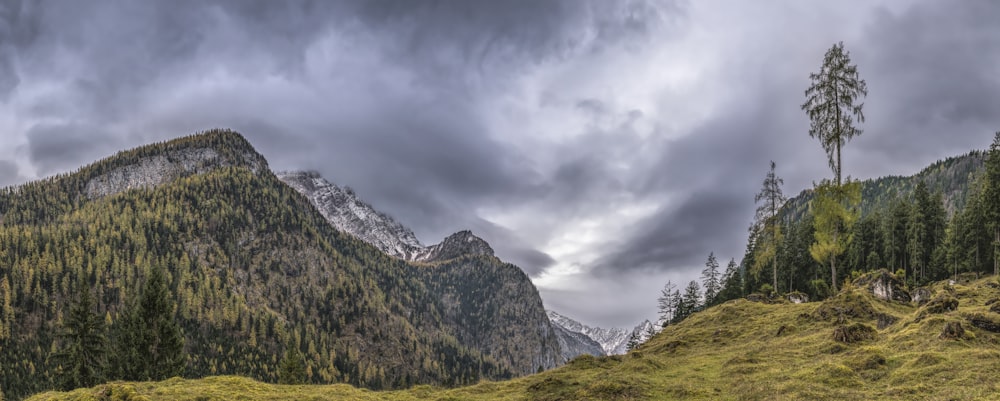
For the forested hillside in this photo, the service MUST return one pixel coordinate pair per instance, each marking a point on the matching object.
(252, 270)
(925, 227)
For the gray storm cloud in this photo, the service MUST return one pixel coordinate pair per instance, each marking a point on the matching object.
(604, 147)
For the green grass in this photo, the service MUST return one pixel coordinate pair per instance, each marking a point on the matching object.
(736, 351)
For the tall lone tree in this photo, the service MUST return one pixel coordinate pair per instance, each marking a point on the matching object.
(149, 342)
(832, 104)
(767, 220)
(710, 278)
(82, 356)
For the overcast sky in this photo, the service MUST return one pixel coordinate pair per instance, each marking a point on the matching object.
(603, 146)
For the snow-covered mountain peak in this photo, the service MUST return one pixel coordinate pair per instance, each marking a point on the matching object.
(614, 341)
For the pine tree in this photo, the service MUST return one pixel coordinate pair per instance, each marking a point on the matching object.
(831, 104)
(690, 301)
(149, 341)
(767, 219)
(82, 354)
(666, 302)
(833, 108)
(710, 278)
(732, 287)
(293, 368)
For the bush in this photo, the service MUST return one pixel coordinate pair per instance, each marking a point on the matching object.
(942, 303)
(952, 331)
(767, 290)
(854, 333)
(820, 289)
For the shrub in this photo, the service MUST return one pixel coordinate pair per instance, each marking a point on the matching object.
(854, 333)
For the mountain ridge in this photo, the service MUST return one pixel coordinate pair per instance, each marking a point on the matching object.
(613, 341)
(348, 213)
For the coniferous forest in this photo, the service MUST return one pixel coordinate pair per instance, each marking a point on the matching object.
(224, 272)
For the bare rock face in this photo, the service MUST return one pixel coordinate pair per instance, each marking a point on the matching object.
(921, 295)
(797, 298)
(884, 285)
(153, 170)
(348, 213)
(456, 245)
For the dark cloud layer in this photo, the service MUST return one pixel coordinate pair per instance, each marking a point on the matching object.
(602, 146)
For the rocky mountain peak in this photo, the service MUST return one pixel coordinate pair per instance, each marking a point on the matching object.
(459, 244)
(163, 162)
(348, 213)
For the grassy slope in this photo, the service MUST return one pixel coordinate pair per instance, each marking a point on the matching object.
(730, 352)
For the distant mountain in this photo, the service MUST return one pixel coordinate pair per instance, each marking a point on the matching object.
(613, 341)
(253, 266)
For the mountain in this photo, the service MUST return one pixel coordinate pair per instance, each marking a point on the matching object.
(348, 213)
(852, 346)
(252, 266)
(952, 177)
(613, 341)
(475, 277)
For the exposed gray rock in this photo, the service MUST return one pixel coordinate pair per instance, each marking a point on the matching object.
(456, 245)
(884, 285)
(921, 295)
(158, 169)
(348, 213)
(797, 298)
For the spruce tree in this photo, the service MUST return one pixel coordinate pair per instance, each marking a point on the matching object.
(148, 339)
(633, 341)
(82, 354)
(917, 230)
(292, 369)
(710, 278)
(666, 303)
(767, 219)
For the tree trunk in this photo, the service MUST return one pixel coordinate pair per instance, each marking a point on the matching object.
(833, 267)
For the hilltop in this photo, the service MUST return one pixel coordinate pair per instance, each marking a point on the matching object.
(853, 346)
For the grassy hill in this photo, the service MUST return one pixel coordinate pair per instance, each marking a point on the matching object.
(739, 350)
